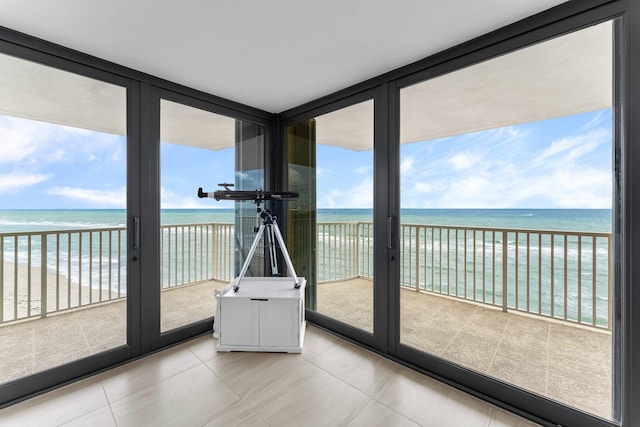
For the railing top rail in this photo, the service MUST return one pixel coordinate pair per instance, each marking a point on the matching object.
(62, 231)
(196, 224)
(99, 229)
(513, 230)
(343, 222)
(454, 227)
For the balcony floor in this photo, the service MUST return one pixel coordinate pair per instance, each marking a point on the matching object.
(35, 345)
(563, 362)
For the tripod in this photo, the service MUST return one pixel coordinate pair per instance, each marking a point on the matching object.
(269, 228)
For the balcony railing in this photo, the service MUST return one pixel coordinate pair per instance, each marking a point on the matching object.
(559, 274)
(556, 274)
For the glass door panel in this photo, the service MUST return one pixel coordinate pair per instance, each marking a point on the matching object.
(331, 226)
(63, 216)
(506, 219)
(203, 243)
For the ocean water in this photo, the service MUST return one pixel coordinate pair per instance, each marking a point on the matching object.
(33, 221)
(105, 255)
(586, 220)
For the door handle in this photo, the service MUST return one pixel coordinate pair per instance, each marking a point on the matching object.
(136, 232)
(390, 232)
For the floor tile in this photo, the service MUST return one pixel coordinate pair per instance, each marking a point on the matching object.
(375, 414)
(57, 407)
(308, 396)
(359, 293)
(316, 342)
(472, 351)
(99, 418)
(358, 367)
(189, 398)
(580, 394)
(203, 347)
(531, 350)
(522, 370)
(238, 415)
(462, 410)
(414, 396)
(134, 376)
(246, 372)
(16, 367)
(431, 338)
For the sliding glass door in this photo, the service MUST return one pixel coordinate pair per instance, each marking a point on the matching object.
(64, 224)
(203, 241)
(332, 164)
(506, 228)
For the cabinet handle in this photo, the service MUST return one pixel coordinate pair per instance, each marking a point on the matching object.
(259, 299)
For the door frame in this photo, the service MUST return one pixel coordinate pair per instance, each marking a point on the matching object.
(378, 339)
(150, 213)
(39, 382)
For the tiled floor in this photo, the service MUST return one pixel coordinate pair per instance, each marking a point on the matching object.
(332, 383)
(36, 345)
(562, 361)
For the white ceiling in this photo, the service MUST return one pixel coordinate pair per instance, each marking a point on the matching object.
(272, 55)
(566, 75)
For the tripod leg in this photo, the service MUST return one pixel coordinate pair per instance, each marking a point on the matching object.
(285, 253)
(247, 261)
(272, 250)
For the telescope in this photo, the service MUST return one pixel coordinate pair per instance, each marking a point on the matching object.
(257, 195)
(269, 227)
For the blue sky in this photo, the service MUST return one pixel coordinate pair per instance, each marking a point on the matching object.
(44, 165)
(559, 163)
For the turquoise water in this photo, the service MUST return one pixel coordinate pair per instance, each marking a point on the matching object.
(23, 221)
(104, 246)
(587, 220)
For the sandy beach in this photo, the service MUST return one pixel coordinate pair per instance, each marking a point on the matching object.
(22, 292)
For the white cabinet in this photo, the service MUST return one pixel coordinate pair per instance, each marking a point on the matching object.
(266, 314)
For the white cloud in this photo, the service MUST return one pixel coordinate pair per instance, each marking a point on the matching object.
(406, 166)
(576, 187)
(363, 170)
(464, 160)
(320, 171)
(426, 187)
(359, 195)
(573, 147)
(112, 198)
(19, 138)
(598, 120)
(10, 183)
(39, 142)
(172, 200)
(563, 175)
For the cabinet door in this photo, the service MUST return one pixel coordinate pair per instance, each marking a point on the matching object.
(240, 322)
(280, 323)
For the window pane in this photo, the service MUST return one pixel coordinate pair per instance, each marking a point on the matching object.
(63, 218)
(506, 220)
(204, 242)
(331, 227)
